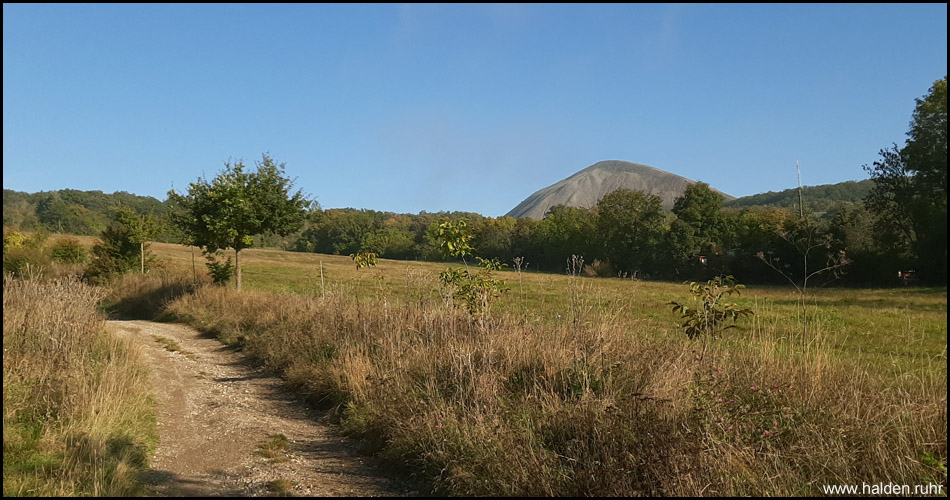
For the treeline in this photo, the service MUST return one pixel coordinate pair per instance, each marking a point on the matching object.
(629, 234)
(70, 211)
(887, 230)
(817, 199)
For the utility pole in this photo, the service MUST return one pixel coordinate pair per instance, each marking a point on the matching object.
(801, 204)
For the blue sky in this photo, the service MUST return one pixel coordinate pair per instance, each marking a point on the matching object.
(457, 107)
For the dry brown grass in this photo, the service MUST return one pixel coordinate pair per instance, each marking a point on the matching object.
(77, 419)
(605, 407)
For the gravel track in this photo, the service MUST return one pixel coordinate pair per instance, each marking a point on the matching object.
(216, 410)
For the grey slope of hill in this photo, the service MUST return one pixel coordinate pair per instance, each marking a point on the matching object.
(585, 188)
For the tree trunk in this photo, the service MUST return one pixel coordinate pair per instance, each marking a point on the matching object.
(142, 254)
(237, 266)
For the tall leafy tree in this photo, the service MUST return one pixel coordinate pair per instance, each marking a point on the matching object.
(926, 148)
(630, 224)
(492, 236)
(565, 231)
(910, 193)
(338, 231)
(680, 246)
(237, 205)
(853, 226)
(700, 208)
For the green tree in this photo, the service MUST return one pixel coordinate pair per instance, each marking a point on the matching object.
(492, 236)
(115, 253)
(910, 192)
(389, 242)
(853, 226)
(237, 205)
(57, 214)
(338, 231)
(926, 148)
(474, 291)
(630, 224)
(699, 229)
(701, 208)
(682, 248)
(565, 231)
(142, 229)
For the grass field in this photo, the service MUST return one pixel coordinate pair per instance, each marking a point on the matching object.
(896, 330)
(587, 386)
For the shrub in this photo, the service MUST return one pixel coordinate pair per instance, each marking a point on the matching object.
(22, 262)
(25, 255)
(364, 259)
(711, 317)
(115, 253)
(68, 251)
(220, 271)
(37, 239)
(12, 239)
(474, 291)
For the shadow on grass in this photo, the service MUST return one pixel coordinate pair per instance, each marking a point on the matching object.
(145, 301)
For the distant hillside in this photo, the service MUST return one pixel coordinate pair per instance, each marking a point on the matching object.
(817, 198)
(585, 188)
(69, 210)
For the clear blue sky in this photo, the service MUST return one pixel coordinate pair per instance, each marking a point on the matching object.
(457, 107)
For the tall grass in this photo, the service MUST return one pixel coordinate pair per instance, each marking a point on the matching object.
(605, 405)
(77, 418)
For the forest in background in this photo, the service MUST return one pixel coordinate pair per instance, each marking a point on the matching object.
(670, 245)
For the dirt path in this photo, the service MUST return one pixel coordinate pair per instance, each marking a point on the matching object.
(220, 423)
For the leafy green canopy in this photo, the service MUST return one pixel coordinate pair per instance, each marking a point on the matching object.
(237, 205)
(910, 194)
(630, 224)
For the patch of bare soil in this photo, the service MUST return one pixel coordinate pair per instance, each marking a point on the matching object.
(226, 428)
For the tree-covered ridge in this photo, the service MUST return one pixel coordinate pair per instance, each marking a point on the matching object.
(628, 234)
(72, 211)
(817, 198)
(89, 212)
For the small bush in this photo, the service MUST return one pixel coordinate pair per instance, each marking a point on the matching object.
(364, 259)
(37, 239)
(711, 317)
(68, 251)
(12, 239)
(115, 253)
(24, 261)
(600, 268)
(220, 271)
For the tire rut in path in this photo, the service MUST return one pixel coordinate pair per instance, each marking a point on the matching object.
(215, 411)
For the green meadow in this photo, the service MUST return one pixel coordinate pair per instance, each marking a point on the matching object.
(893, 330)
